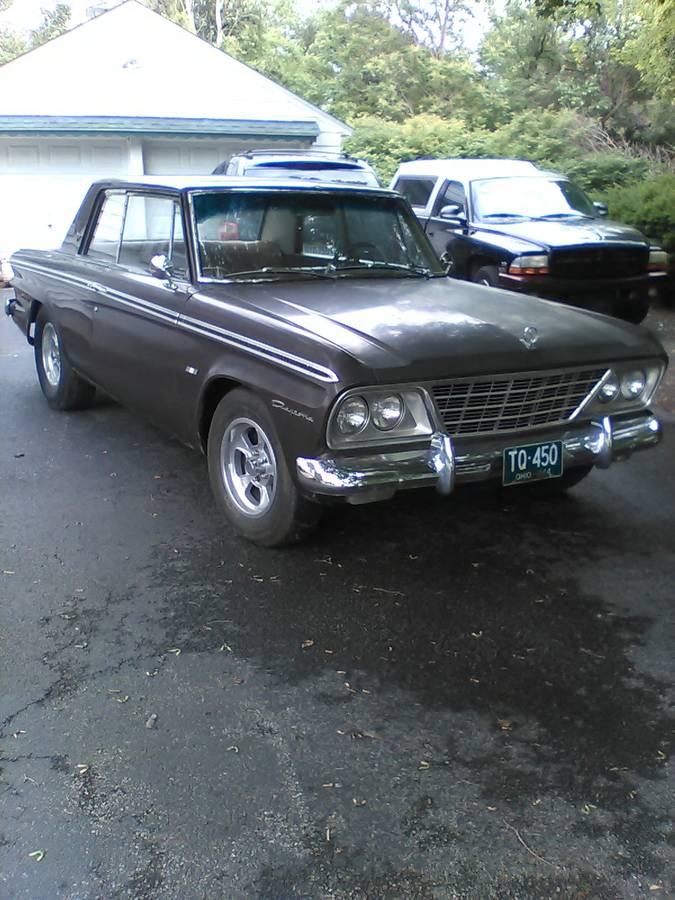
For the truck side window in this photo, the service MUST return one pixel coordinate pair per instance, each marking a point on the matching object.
(415, 190)
(451, 195)
(105, 241)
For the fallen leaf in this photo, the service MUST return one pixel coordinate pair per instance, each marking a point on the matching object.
(37, 855)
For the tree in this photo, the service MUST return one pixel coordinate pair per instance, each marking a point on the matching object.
(54, 23)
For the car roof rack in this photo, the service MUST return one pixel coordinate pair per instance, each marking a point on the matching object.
(298, 151)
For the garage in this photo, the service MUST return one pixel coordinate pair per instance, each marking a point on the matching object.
(113, 105)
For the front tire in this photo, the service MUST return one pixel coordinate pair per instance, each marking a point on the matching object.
(486, 275)
(249, 476)
(63, 388)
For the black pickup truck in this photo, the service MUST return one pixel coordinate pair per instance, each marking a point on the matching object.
(505, 223)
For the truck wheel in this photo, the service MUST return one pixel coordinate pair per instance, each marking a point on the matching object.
(487, 275)
(249, 476)
(60, 383)
(636, 311)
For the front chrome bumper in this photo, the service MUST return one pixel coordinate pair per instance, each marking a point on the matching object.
(448, 461)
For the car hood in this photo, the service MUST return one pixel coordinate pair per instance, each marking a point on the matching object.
(551, 235)
(403, 329)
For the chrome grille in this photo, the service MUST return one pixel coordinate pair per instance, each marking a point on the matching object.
(512, 402)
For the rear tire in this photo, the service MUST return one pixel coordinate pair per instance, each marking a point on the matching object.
(486, 275)
(251, 481)
(63, 388)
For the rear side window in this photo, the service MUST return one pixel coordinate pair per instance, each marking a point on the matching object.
(415, 190)
(105, 241)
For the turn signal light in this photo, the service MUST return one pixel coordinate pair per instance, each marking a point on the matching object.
(530, 265)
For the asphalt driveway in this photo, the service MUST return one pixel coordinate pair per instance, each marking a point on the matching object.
(466, 698)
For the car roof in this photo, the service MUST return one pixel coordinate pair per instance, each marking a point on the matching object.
(186, 183)
(468, 168)
(348, 162)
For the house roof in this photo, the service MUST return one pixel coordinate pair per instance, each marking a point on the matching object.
(127, 126)
(131, 63)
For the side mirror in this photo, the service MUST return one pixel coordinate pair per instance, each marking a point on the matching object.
(160, 266)
(601, 208)
(451, 211)
(453, 214)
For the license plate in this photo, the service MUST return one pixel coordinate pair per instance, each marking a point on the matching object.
(532, 462)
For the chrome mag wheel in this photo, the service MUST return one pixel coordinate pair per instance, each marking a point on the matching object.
(249, 467)
(51, 355)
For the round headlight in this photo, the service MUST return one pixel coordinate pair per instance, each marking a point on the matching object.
(610, 388)
(387, 412)
(633, 384)
(352, 416)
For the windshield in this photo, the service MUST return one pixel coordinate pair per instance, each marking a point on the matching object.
(302, 234)
(500, 199)
(314, 171)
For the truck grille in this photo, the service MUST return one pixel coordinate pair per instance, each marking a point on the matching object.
(512, 402)
(599, 262)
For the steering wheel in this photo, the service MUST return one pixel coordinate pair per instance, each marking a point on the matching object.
(364, 250)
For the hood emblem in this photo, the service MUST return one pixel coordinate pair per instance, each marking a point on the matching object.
(530, 336)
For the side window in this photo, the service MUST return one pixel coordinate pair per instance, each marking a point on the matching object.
(451, 195)
(415, 190)
(105, 241)
(147, 231)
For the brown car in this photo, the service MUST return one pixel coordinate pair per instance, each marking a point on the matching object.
(307, 340)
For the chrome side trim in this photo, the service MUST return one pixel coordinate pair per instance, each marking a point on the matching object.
(257, 348)
(214, 332)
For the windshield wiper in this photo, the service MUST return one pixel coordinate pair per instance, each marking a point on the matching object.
(281, 270)
(563, 215)
(505, 215)
(400, 269)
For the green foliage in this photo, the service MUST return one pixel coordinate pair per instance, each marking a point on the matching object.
(386, 144)
(54, 22)
(11, 45)
(650, 206)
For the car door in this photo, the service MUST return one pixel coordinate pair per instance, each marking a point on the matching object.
(139, 349)
(447, 226)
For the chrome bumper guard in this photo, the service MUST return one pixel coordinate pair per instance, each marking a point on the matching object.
(448, 461)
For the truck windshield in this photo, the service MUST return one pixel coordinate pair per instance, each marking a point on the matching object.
(501, 199)
(297, 234)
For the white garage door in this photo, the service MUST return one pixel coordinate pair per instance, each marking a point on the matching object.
(187, 157)
(42, 182)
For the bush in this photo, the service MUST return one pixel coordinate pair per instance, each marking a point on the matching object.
(650, 206)
(386, 144)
